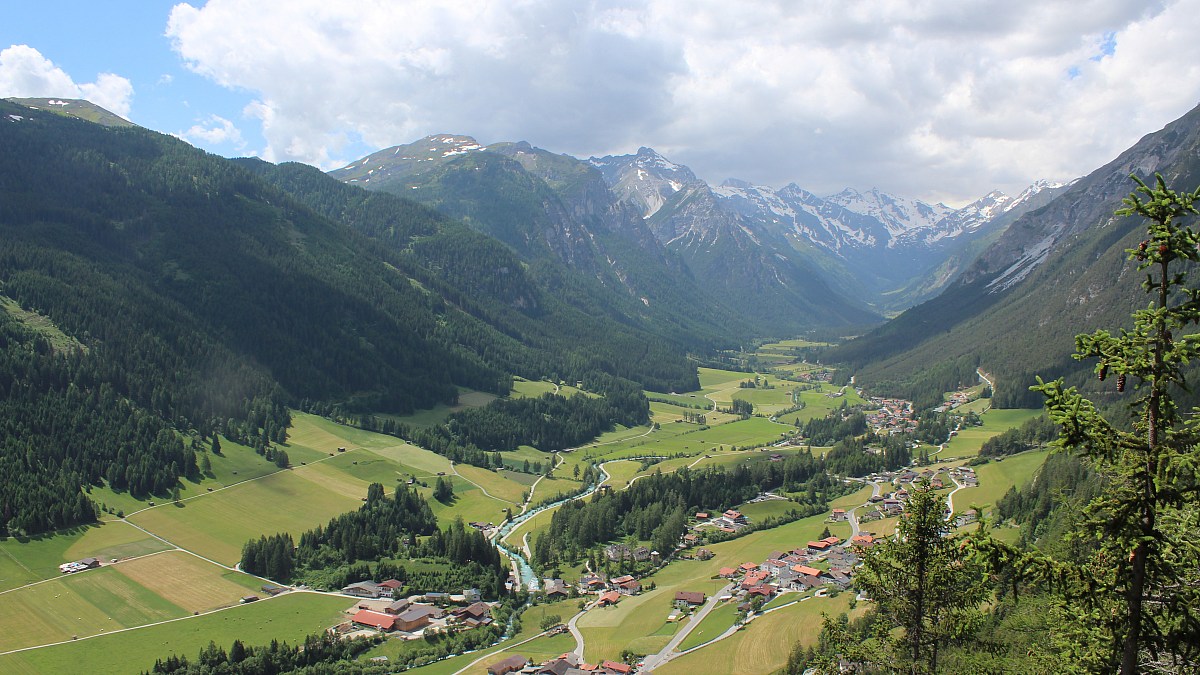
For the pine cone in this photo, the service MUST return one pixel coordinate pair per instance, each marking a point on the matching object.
(1103, 372)
(1121, 382)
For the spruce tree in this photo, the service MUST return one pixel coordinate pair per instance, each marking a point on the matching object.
(922, 583)
(1140, 594)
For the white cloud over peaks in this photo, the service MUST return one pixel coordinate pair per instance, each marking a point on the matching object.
(25, 73)
(939, 100)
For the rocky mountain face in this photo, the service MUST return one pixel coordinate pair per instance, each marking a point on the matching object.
(1056, 271)
(888, 251)
(548, 206)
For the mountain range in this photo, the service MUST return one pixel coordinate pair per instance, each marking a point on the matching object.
(784, 261)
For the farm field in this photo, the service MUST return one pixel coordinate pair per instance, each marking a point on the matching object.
(81, 604)
(996, 477)
(764, 644)
(193, 584)
(969, 440)
(287, 618)
(29, 560)
(718, 621)
(217, 526)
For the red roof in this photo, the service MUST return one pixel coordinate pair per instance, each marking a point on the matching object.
(392, 584)
(819, 545)
(616, 667)
(749, 566)
(807, 571)
(727, 572)
(610, 597)
(380, 621)
(831, 540)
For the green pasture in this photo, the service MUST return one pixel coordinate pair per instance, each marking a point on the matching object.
(853, 499)
(470, 503)
(759, 511)
(77, 605)
(763, 644)
(289, 618)
(820, 402)
(968, 441)
(495, 484)
(438, 414)
(718, 621)
(27, 559)
(996, 477)
(218, 524)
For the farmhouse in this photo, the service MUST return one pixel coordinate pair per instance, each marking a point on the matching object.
(417, 617)
(689, 598)
(556, 588)
(838, 515)
(608, 598)
(364, 589)
(510, 665)
(819, 546)
(727, 572)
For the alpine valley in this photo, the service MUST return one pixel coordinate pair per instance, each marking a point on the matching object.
(468, 408)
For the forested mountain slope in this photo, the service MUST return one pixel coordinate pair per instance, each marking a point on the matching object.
(1056, 272)
(558, 209)
(149, 287)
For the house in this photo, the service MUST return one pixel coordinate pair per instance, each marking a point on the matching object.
(630, 587)
(608, 598)
(967, 517)
(690, 540)
(727, 572)
(641, 554)
(748, 566)
(391, 586)
(510, 665)
(705, 554)
(384, 622)
(805, 570)
(688, 598)
(735, 517)
(471, 595)
(701, 515)
(561, 666)
(838, 515)
(555, 588)
(617, 552)
(861, 541)
(417, 617)
(437, 597)
(592, 582)
(832, 541)
(761, 590)
(818, 546)
(397, 607)
(363, 589)
(615, 668)
(478, 611)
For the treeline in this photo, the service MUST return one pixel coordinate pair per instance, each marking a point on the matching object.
(851, 456)
(376, 530)
(656, 508)
(321, 654)
(1032, 434)
(372, 540)
(1046, 506)
(835, 426)
(64, 429)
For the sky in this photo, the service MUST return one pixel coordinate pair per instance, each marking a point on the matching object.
(933, 99)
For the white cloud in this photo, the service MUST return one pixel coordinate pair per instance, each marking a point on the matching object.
(24, 72)
(215, 130)
(942, 100)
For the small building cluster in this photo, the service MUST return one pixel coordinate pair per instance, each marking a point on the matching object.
(895, 415)
(79, 565)
(378, 610)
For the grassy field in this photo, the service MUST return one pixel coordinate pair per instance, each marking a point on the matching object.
(81, 604)
(764, 644)
(192, 583)
(217, 525)
(287, 618)
(718, 621)
(995, 478)
(26, 560)
(995, 422)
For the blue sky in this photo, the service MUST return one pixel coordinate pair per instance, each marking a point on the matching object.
(941, 101)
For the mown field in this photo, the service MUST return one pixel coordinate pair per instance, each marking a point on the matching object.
(287, 618)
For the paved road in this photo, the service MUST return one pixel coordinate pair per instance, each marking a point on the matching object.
(852, 517)
(571, 626)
